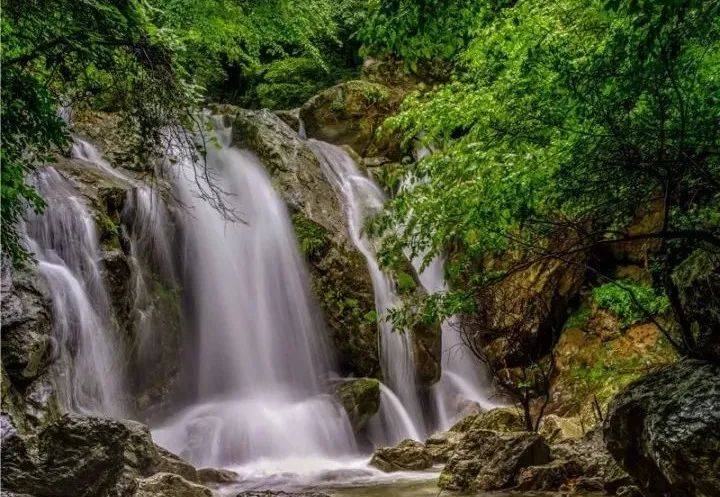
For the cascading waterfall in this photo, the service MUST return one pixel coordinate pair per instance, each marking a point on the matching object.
(262, 363)
(362, 199)
(89, 373)
(462, 378)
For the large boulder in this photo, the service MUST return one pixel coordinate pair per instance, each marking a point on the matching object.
(350, 114)
(664, 429)
(78, 456)
(490, 460)
(408, 455)
(442, 445)
(361, 400)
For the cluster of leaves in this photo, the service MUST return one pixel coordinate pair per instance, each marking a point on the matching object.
(566, 115)
(631, 302)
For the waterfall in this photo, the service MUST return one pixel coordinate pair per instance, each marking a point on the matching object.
(89, 374)
(261, 360)
(462, 378)
(363, 199)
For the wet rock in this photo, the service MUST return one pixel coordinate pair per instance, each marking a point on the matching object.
(590, 454)
(350, 113)
(408, 455)
(549, 476)
(83, 457)
(499, 419)
(442, 445)
(664, 429)
(213, 476)
(290, 117)
(169, 485)
(361, 400)
(557, 429)
(491, 460)
(26, 312)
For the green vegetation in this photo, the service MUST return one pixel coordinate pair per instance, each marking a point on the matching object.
(311, 237)
(630, 301)
(559, 122)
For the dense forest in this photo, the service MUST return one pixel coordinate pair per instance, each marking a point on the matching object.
(559, 162)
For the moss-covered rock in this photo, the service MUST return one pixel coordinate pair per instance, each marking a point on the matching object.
(361, 400)
(408, 455)
(350, 114)
(505, 419)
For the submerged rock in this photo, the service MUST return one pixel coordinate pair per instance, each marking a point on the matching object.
(664, 429)
(408, 455)
(86, 457)
(490, 460)
(361, 400)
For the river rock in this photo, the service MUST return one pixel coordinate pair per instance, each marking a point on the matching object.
(281, 493)
(490, 460)
(664, 429)
(361, 400)
(550, 476)
(408, 455)
(84, 457)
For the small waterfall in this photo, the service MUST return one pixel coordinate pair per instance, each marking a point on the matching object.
(89, 374)
(462, 378)
(362, 199)
(261, 358)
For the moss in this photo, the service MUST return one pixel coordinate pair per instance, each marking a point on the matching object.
(579, 318)
(312, 238)
(631, 302)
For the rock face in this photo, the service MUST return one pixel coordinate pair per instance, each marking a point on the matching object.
(522, 312)
(490, 460)
(361, 400)
(350, 113)
(169, 485)
(408, 455)
(90, 457)
(664, 429)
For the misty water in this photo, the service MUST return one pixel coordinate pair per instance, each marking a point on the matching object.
(255, 385)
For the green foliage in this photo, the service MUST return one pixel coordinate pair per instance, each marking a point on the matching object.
(421, 30)
(566, 113)
(311, 237)
(579, 318)
(631, 302)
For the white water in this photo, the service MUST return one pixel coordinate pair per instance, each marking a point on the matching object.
(89, 374)
(261, 360)
(462, 378)
(363, 199)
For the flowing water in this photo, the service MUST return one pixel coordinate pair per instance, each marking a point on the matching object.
(89, 374)
(259, 402)
(363, 199)
(254, 381)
